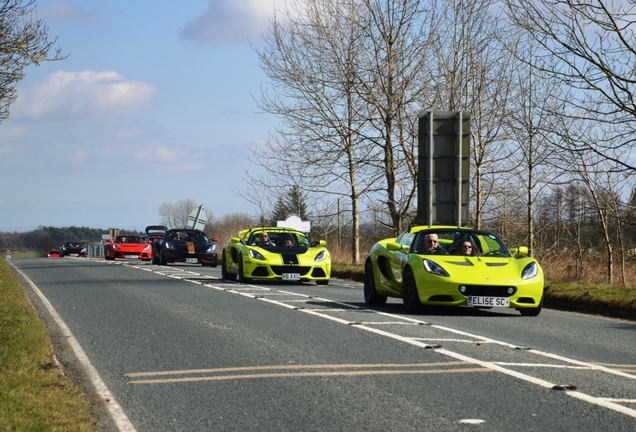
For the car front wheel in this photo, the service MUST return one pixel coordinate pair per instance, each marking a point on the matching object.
(532, 311)
(241, 272)
(410, 297)
(371, 296)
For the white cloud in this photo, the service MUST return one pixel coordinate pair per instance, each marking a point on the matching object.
(66, 13)
(84, 93)
(226, 22)
(7, 150)
(160, 154)
(79, 157)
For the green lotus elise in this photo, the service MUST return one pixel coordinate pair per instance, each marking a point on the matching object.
(453, 266)
(275, 253)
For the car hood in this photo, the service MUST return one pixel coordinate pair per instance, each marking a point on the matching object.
(484, 269)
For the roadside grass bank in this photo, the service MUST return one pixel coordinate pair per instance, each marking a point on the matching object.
(595, 299)
(35, 395)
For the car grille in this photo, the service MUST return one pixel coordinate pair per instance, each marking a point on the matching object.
(279, 270)
(488, 290)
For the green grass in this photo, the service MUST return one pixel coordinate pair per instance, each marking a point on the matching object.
(20, 255)
(34, 394)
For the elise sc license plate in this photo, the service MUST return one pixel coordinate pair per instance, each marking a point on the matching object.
(132, 256)
(192, 260)
(488, 301)
(291, 276)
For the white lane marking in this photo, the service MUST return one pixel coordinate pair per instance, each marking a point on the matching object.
(114, 409)
(544, 365)
(607, 403)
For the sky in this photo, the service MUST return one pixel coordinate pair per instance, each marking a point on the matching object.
(155, 103)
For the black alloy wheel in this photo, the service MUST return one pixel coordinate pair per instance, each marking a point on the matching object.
(371, 296)
(410, 296)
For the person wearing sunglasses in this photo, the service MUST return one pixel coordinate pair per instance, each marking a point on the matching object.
(263, 240)
(466, 248)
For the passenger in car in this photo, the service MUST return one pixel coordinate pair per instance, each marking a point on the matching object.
(466, 248)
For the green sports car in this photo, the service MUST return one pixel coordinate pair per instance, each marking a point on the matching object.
(275, 253)
(452, 266)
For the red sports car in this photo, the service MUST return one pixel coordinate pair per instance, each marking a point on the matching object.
(55, 253)
(124, 246)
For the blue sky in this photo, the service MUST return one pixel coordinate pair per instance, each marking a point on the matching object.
(155, 103)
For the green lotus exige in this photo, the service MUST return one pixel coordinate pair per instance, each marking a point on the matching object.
(453, 266)
(275, 253)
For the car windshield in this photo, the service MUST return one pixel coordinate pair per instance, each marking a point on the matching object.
(128, 239)
(454, 242)
(279, 239)
(188, 236)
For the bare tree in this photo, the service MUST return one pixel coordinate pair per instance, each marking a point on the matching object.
(526, 118)
(394, 76)
(311, 55)
(176, 215)
(228, 226)
(590, 47)
(473, 71)
(23, 41)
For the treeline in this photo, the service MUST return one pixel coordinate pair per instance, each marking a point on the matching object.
(45, 238)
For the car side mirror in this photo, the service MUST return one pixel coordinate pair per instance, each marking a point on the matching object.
(393, 246)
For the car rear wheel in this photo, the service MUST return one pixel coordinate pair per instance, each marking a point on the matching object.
(532, 311)
(241, 272)
(371, 296)
(410, 297)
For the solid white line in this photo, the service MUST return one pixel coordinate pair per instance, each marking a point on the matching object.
(116, 412)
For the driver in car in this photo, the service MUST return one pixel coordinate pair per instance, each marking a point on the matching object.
(432, 246)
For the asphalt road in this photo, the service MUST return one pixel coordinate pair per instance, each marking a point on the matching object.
(178, 349)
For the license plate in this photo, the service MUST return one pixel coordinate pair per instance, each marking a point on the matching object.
(489, 301)
(291, 276)
(132, 256)
(192, 260)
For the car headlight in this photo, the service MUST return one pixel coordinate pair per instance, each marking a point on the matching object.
(147, 247)
(530, 271)
(115, 246)
(170, 245)
(434, 268)
(321, 256)
(214, 248)
(256, 255)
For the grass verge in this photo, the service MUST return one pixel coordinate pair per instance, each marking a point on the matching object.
(34, 392)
